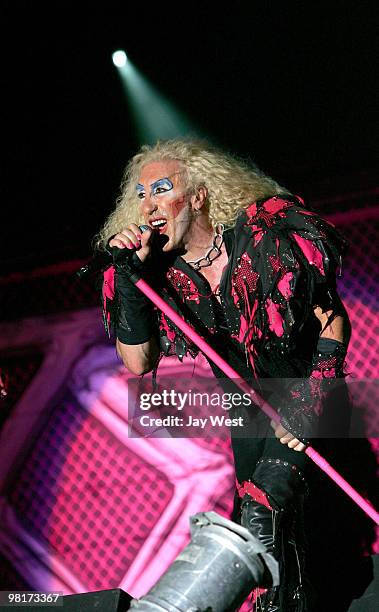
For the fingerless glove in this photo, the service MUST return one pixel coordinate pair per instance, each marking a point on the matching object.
(135, 315)
(307, 396)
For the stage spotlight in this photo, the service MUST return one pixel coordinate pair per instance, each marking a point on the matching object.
(155, 117)
(218, 569)
(119, 58)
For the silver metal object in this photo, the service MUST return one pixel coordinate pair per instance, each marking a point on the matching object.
(216, 571)
(206, 260)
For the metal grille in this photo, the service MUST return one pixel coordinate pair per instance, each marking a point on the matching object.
(84, 493)
(359, 291)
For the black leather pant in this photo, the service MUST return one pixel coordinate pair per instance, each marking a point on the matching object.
(279, 472)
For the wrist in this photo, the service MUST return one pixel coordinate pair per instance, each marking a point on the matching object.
(135, 321)
(329, 358)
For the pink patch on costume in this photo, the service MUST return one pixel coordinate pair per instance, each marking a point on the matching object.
(276, 264)
(255, 492)
(244, 279)
(311, 252)
(284, 285)
(247, 328)
(245, 334)
(316, 374)
(329, 373)
(258, 234)
(170, 333)
(107, 295)
(301, 200)
(183, 285)
(108, 283)
(275, 319)
(274, 205)
(295, 394)
(251, 211)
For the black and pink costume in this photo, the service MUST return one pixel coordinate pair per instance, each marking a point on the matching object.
(282, 262)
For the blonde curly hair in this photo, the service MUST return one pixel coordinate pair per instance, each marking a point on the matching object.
(232, 183)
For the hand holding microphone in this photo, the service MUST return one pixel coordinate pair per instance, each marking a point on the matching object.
(135, 238)
(128, 240)
(135, 323)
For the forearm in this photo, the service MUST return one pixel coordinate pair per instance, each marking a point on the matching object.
(337, 328)
(300, 419)
(139, 358)
(135, 322)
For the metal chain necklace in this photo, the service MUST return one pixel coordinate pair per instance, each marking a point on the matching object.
(207, 259)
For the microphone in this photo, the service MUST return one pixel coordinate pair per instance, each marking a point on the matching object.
(104, 259)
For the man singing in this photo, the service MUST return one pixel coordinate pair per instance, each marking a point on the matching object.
(253, 270)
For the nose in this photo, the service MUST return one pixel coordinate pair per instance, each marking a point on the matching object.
(148, 206)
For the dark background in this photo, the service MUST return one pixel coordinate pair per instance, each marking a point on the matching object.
(290, 84)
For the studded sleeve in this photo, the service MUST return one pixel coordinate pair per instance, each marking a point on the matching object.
(284, 267)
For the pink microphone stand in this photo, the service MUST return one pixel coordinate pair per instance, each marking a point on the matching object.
(267, 409)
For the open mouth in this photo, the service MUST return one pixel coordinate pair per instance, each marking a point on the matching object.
(159, 225)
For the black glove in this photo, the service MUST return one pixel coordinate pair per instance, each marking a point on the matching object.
(307, 397)
(135, 315)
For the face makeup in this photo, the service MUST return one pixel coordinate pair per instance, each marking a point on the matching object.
(160, 186)
(165, 202)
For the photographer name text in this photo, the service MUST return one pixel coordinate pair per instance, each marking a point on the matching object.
(176, 421)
